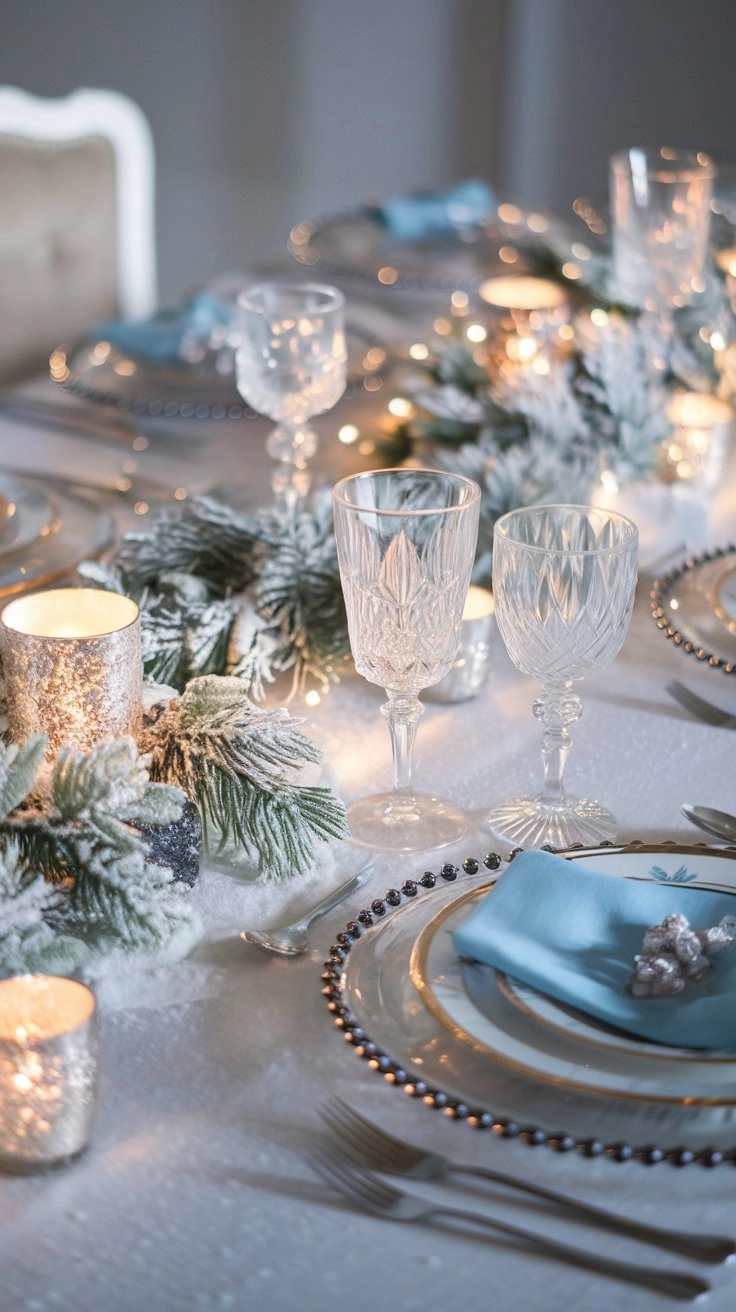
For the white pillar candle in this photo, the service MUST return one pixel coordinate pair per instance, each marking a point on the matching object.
(509, 292)
(73, 666)
(48, 1071)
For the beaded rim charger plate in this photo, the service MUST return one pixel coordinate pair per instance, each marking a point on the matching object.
(354, 245)
(693, 607)
(111, 377)
(159, 391)
(398, 991)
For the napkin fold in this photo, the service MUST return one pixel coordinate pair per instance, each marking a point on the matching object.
(408, 218)
(180, 336)
(572, 932)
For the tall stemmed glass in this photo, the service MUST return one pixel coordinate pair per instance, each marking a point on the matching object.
(290, 364)
(406, 541)
(660, 214)
(563, 582)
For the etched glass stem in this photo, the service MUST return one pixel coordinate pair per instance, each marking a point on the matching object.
(557, 707)
(402, 714)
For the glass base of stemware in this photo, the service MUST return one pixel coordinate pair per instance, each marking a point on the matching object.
(530, 822)
(414, 824)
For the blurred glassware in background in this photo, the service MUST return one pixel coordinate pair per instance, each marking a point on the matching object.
(291, 364)
(660, 212)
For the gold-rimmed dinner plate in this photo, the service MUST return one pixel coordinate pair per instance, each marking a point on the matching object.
(450, 1025)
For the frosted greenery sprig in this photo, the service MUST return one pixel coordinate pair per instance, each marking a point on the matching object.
(529, 438)
(241, 765)
(75, 882)
(222, 591)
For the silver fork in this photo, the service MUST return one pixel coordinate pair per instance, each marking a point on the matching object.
(373, 1147)
(364, 1188)
(700, 708)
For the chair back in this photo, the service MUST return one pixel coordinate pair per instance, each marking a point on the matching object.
(77, 239)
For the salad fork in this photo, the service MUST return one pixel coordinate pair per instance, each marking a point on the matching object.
(375, 1148)
(374, 1195)
(700, 708)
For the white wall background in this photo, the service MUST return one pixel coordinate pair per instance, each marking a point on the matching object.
(269, 111)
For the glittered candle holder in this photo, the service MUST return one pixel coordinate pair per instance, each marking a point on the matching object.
(471, 666)
(529, 313)
(48, 1071)
(699, 445)
(73, 666)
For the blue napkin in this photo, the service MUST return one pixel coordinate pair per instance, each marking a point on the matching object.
(407, 218)
(572, 933)
(163, 338)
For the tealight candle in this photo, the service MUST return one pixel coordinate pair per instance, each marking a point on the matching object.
(699, 443)
(726, 260)
(48, 1071)
(470, 668)
(521, 293)
(73, 666)
(531, 312)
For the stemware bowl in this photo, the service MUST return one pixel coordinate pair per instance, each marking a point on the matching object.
(290, 364)
(563, 582)
(660, 209)
(406, 541)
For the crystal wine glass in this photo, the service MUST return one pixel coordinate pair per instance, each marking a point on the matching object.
(563, 582)
(660, 211)
(406, 541)
(290, 364)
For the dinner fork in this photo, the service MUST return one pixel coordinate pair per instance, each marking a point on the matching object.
(374, 1147)
(700, 708)
(382, 1199)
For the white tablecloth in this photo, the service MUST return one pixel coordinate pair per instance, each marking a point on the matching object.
(194, 1192)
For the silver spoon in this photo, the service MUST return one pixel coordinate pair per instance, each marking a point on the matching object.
(715, 822)
(291, 940)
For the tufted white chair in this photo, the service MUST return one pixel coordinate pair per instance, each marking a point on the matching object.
(77, 239)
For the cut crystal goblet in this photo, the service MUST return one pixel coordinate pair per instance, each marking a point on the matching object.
(290, 364)
(406, 542)
(563, 581)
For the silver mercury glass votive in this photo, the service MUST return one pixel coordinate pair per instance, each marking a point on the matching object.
(73, 667)
(529, 317)
(471, 666)
(699, 446)
(48, 1071)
